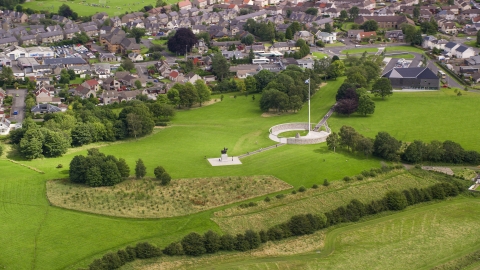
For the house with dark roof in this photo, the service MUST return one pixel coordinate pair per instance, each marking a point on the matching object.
(84, 92)
(387, 22)
(65, 62)
(463, 51)
(45, 108)
(413, 78)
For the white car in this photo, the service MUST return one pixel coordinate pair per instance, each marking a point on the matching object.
(150, 38)
(469, 38)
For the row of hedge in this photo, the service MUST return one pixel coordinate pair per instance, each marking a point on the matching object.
(195, 244)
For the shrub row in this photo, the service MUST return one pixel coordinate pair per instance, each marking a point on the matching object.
(373, 172)
(195, 244)
(114, 260)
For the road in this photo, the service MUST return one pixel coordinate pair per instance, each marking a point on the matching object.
(18, 104)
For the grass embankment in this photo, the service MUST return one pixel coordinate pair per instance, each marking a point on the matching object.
(412, 239)
(147, 199)
(323, 199)
(426, 116)
(403, 55)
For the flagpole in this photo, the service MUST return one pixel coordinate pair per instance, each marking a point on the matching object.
(309, 96)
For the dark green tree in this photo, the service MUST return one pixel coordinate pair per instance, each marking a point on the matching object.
(333, 141)
(312, 11)
(343, 15)
(203, 91)
(227, 242)
(123, 168)
(193, 244)
(415, 152)
(353, 11)
(365, 105)
(158, 171)
(78, 169)
(212, 242)
(348, 137)
(137, 33)
(220, 66)
(140, 169)
(386, 146)
(182, 42)
(188, 95)
(370, 25)
(382, 88)
(396, 200)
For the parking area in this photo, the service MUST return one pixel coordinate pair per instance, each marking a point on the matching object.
(70, 51)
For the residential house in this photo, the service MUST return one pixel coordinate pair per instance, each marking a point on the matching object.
(163, 68)
(111, 84)
(200, 3)
(354, 33)
(107, 57)
(445, 14)
(16, 17)
(129, 44)
(135, 57)
(413, 78)
(91, 84)
(305, 35)
(449, 28)
(463, 51)
(394, 35)
(332, 13)
(185, 5)
(45, 108)
(84, 92)
(387, 22)
(5, 125)
(472, 61)
(90, 29)
(192, 77)
(453, 8)
(229, 55)
(129, 95)
(50, 37)
(8, 41)
(69, 30)
(35, 18)
(326, 37)
(305, 63)
(362, 35)
(109, 96)
(173, 75)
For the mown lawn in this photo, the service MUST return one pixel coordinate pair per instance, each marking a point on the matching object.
(319, 54)
(84, 8)
(403, 49)
(359, 50)
(403, 55)
(436, 115)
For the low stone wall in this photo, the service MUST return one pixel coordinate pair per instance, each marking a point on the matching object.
(289, 126)
(306, 140)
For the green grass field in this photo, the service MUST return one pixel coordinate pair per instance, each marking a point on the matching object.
(336, 44)
(420, 238)
(404, 49)
(41, 236)
(420, 116)
(359, 50)
(319, 54)
(403, 55)
(84, 8)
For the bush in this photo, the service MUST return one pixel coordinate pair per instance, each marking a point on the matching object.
(366, 173)
(396, 200)
(418, 166)
(146, 250)
(359, 177)
(59, 166)
(174, 249)
(347, 179)
(294, 192)
(193, 244)
(280, 196)
(326, 183)
(227, 242)
(315, 186)
(251, 204)
(302, 189)
(267, 199)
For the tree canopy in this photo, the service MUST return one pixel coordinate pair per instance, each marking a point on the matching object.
(182, 42)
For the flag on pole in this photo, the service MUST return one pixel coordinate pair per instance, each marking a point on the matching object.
(307, 81)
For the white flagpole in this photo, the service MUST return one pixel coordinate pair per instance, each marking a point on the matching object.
(309, 96)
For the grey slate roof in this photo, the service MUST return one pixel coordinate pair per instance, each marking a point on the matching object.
(65, 61)
(414, 72)
(450, 45)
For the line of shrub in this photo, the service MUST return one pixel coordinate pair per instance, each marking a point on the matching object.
(195, 244)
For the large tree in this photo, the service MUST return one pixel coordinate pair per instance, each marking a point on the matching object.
(333, 141)
(193, 244)
(220, 66)
(386, 146)
(203, 91)
(348, 137)
(182, 42)
(346, 106)
(365, 105)
(188, 95)
(137, 33)
(7, 75)
(250, 84)
(336, 69)
(353, 12)
(370, 25)
(382, 88)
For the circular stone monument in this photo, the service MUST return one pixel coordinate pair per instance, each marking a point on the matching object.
(313, 137)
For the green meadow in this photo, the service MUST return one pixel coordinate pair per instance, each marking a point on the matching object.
(41, 236)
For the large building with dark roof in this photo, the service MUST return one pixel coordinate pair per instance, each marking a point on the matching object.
(413, 78)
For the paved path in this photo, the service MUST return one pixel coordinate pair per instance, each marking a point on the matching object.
(324, 119)
(261, 150)
(18, 104)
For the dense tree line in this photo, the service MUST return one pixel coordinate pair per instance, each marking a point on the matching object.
(302, 52)
(286, 90)
(97, 169)
(188, 94)
(264, 30)
(195, 244)
(87, 123)
(387, 147)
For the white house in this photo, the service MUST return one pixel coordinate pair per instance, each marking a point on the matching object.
(463, 51)
(326, 37)
(4, 126)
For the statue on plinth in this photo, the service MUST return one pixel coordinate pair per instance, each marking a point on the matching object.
(224, 154)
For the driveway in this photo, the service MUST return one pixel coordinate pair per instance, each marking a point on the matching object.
(18, 104)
